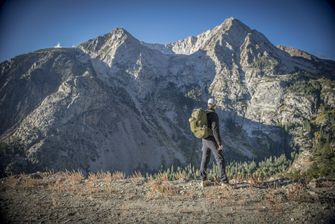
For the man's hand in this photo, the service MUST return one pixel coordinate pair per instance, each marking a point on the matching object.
(220, 147)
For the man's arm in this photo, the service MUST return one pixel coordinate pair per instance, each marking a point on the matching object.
(216, 129)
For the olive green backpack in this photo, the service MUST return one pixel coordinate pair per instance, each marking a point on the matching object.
(198, 123)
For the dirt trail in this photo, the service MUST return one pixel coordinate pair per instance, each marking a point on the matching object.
(69, 198)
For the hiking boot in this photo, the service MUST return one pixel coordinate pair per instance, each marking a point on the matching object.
(204, 183)
(222, 182)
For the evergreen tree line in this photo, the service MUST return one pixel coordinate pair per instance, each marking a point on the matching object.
(240, 171)
(322, 128)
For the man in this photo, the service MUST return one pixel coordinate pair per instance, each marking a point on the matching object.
(213, 144)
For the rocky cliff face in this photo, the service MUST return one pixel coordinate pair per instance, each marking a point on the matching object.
(115, 103)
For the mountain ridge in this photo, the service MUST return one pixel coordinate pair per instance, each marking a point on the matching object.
(116, 103)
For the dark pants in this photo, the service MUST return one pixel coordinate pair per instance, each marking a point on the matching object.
(209, 146)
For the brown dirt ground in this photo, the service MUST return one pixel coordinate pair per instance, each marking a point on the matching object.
(105, 198)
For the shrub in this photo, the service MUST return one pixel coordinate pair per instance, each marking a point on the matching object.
(194, 94)
(241, 171)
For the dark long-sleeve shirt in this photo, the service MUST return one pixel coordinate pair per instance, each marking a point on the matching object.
(213, 124)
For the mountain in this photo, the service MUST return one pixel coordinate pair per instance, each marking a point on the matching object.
(116, 103)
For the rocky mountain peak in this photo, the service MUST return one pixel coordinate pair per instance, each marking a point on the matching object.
(113, 39)
(105, 47)
(121, 33)
(120, 30)
(231, 29)
(232, 23)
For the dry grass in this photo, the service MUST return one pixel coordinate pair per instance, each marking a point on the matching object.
(75, 183)
(28, 182)
(101, 175)
(136, 175)
(254, 181)
(67, 181)
(47, 174)
(219, 192)
(22, 181)
(11, 182)
(74, 178)
(118, 175)
(162, 176)
(91, 184)
(162, 187)
(102, 182)
(182, 175)
(297, 192)
(57, 186)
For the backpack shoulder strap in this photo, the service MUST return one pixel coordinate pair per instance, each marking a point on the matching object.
(209, 111)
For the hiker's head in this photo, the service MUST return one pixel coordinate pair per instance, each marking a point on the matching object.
(211, 103)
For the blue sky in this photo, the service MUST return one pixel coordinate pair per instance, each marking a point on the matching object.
(28, 25)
